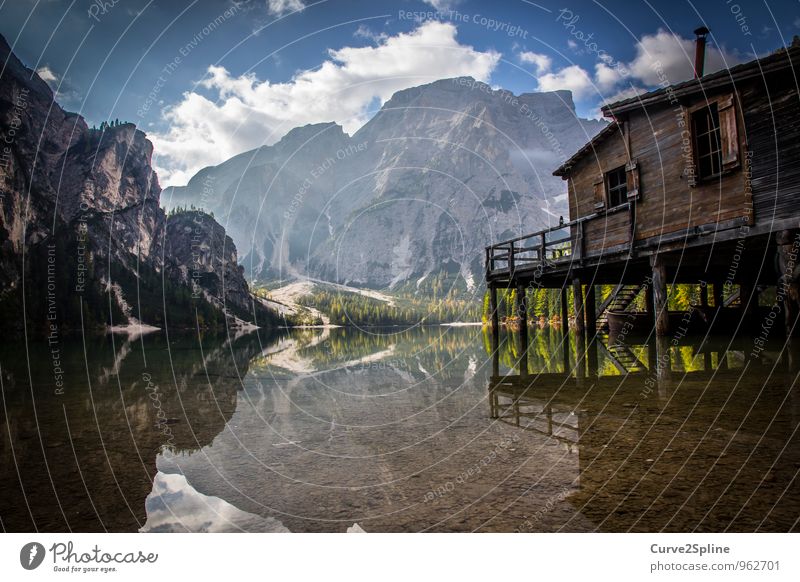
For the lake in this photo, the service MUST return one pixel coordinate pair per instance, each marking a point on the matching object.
(415, 430)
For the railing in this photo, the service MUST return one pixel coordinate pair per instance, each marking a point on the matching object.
(546, 248)
(537, 250)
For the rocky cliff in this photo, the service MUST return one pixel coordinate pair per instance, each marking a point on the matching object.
(83, 239)
(438, 173)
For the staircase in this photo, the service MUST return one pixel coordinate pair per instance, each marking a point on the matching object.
(619, 300)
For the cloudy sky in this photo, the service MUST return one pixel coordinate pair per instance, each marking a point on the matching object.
(208, 79)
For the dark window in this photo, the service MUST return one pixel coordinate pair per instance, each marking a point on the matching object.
(707, 142)
(617, 187)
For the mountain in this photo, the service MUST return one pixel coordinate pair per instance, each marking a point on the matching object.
(83, 240)
(438, 173)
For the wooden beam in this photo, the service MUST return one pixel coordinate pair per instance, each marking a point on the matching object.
(577, 299)
(716, 293)
(522, 313)
(495, 330)
(661, 315)
(591, 311)
(564, 310)
(590, 306)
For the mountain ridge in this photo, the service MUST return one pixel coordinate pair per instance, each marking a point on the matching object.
(437, 173)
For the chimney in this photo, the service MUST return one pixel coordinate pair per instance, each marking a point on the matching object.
(700, 51)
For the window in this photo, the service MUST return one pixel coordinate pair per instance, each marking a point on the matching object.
(708, 150)
(617, 187)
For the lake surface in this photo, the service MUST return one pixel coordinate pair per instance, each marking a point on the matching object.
(418, 430)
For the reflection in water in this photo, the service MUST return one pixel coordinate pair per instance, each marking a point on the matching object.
(175, 506)
(319, 429)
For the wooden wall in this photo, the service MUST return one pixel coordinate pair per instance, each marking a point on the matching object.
(667, 202)
(772, 120)
(606, 231)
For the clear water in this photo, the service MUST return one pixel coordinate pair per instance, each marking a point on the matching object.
(316, 430)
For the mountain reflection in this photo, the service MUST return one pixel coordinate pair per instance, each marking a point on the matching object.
(425, 429)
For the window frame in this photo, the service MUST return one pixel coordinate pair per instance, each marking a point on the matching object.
(621, 186)
(714, 138)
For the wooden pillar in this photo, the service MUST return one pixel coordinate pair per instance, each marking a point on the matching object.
(716, 294)
(565, 328)
(590, 306)
(522, 313)
(577, 292)
(788, 284)
(661, 315)
(495, 330)
(704, 294)
(663, 366)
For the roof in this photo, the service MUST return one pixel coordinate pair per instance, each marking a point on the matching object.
(601, 135)
(779, 60)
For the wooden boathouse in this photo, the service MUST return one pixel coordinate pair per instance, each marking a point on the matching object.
(694, 183)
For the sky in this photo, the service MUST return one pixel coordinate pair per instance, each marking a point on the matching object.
(209, 79)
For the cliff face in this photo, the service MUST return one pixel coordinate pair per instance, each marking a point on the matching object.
(203, 257)
(440, 171)
(82, 234)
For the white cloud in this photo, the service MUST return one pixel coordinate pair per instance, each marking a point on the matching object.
(572, 44)
(573, 78)
(249, 112)
(674, 55)
(659, 57)
(442, 4)
(541, 62)
(48, 76)
(606, 78)
(281, 7)
(366, 32)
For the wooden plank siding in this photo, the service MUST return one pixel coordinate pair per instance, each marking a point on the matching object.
(666, 202)
(608, 230)
(772, 119)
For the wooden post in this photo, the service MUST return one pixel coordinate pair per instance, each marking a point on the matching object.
(577, 292)
(788, 287)
(590, 306)
(522, 313)
(661, 314)
(565, 328)
(704, 294)
(716, 294)
(495, 330)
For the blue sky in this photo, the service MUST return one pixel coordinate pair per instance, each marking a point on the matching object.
(208, 79)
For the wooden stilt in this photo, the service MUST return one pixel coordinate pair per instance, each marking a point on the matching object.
(788, 284)
(522, 313)
(590, 306)
(716, 294)
(660, 295)
(577, 299)
(565, 329)
(495, 330)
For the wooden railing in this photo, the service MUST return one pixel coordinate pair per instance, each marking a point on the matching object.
(543, 249)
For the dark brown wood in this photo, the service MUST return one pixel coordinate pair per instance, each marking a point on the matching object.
(577, 301)
(522, 313)
(659, 277)
(788, 243)
(564, 310)
(590, 307)
(592, 343)
(716, 290)
(493, 307)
